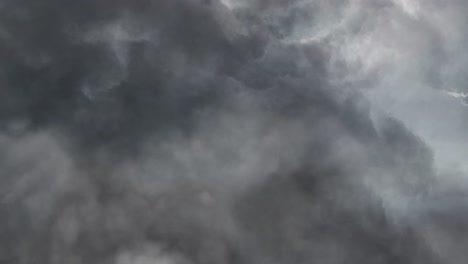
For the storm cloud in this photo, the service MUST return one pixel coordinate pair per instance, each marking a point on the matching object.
(204, 131)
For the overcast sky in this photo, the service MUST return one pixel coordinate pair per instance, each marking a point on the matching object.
(248, 131)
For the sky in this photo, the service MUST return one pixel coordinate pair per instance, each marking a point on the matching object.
(233, 131)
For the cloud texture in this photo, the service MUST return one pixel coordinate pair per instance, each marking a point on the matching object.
(202, 131)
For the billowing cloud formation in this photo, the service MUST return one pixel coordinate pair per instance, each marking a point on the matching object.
(195, 131)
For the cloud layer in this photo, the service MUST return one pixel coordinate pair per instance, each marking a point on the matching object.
(199, 131)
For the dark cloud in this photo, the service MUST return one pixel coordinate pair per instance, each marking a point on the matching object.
(188, 131)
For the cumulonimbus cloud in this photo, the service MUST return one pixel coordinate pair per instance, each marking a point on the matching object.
(195, 131)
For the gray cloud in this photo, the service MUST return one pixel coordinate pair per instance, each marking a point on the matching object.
(208, 132)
